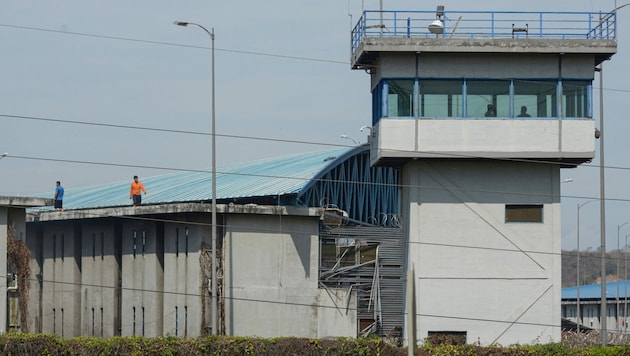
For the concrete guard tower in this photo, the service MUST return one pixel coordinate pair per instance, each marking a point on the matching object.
(481, 110)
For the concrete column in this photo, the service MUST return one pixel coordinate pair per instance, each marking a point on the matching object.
(4, 229)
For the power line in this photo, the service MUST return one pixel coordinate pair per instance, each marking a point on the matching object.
(265, 54)
(250, 228)
(542, 195)
(156, 129)
(257, 138)
(175, 44)
(275, 302)
(284, 302)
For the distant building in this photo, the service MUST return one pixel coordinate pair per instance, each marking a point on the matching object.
(590, 316)
(481, 110)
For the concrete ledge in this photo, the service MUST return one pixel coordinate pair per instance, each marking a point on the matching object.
(364, 54)
(24, 202)
(174, 209)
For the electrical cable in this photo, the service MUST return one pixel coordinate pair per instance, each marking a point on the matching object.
(175, 44)
(267, 139)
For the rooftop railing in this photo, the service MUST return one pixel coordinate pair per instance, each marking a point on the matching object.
(486, 24)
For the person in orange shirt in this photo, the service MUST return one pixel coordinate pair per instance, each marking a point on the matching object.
(134, 192)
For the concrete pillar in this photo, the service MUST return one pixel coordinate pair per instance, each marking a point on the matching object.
(4, 229)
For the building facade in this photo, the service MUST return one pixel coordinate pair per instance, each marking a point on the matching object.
(297, 254)
(481, 110)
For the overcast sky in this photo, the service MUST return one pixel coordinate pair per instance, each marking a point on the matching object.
(282, 73)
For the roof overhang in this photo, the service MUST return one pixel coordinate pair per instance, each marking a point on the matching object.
(24, 202)
(371, 48)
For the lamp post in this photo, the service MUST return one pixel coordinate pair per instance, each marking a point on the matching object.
(602, 207)
(625, 285)
(618, 263)
(213, 282)
(579, 282)
(346, 137)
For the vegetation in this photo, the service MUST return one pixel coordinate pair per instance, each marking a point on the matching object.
(591, 267)
(18, 260)
(32, 344)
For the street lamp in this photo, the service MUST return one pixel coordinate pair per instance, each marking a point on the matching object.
(618, 263)
(602, 207)
(579, 320)
(346, 137)
(625, 285)
(214, 187)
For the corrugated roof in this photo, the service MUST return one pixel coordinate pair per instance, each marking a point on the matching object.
(594, 291)
(268, 177)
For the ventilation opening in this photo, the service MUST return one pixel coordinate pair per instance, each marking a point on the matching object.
(524, 213)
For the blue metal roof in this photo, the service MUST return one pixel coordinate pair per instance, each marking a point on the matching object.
(269, 177)
(594, 291)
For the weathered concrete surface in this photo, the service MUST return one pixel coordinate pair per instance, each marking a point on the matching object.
(562, 140)
(499, 280)
(12, 216)
(364, 54)
(173, 209)
(105, 273)
(272, 281)
(24, 202)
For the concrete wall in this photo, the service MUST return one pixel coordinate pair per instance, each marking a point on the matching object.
(99, 294)
(483, 66)
(185, 310)
(34, 242)
(4, 232)
(271, 280)
(597, 49)
(143, 279)
(109, 283)
(17, 220)
(61, 287)
(483, 138)
(100, 277)
(498, 281)
(13, 216)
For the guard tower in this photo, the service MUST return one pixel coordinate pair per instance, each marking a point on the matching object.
(481, 110)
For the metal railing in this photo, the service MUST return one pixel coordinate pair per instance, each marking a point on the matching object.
(486, 24)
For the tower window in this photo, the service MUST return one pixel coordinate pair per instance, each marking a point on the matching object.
(441, 98)
(479, 98)
(400, 98)
(538, 97)
(488, 98)
(575, 101)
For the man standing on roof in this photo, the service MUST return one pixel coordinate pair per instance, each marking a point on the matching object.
(59, 197)
(134, 192)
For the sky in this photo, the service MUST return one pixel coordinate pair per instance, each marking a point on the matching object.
(78, 78)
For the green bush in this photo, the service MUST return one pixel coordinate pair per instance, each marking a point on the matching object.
(37, 344)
